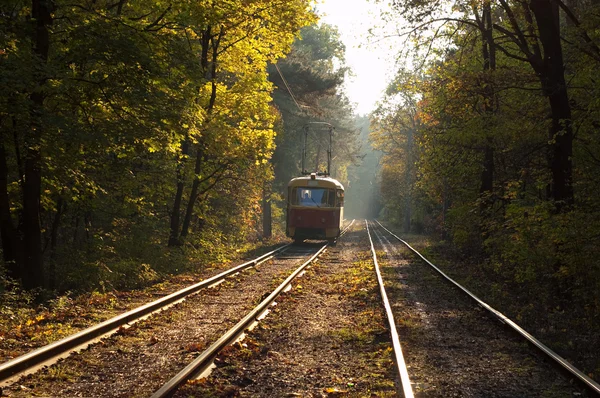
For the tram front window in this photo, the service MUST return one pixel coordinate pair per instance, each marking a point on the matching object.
(318, 197)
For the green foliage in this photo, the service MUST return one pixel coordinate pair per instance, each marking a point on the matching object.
(126, 86)
(459, 109)
(558, 252)
(462, 222)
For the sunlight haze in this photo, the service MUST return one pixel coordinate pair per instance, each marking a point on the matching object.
(370, 64)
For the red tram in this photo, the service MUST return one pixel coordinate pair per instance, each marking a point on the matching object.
(315, 201)
(315, 208)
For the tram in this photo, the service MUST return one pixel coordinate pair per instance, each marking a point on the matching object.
(315, 208)
(315, 202)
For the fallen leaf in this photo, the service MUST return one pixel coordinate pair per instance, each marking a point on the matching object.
(335, 392)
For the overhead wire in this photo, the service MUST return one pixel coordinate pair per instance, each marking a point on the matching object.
(288, 88)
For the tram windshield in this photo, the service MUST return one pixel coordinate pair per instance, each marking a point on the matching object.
(308, 196)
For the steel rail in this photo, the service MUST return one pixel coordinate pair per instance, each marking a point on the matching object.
(205, 358)
(589, 383)
(36, 357)
(400, 363)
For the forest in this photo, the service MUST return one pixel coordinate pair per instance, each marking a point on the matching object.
(140, 138)
(489, 140)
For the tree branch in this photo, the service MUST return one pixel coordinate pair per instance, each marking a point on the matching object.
(160, 17)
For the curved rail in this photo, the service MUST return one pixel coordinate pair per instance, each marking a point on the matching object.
(587, 381)
(36, 357)
(399, 357)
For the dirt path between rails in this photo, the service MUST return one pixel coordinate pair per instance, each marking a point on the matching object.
(324, 338)
(452, 346)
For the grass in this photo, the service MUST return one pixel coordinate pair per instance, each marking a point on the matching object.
(61, 373)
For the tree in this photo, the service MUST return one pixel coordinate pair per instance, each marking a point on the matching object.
(259, 32)
(314, 80)
(106, 102)
(532, 34)
(505, 154)
(545, 56)
(395, 124)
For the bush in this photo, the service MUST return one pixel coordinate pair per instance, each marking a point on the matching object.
(553, 256)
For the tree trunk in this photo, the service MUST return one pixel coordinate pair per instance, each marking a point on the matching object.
(174, 226)
(408, 181)
(487, 174)
(561, 150)
(176, 213)
(407, 213)
(10, 239)
(193, 195)
(60, 209)
(572, 5)
(266, 213)
(445, 208)
(33, 272)
(209, 42)
(33, 276)
(552, 76)
(489, 65)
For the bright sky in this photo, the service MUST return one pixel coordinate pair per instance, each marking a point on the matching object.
(372, 65)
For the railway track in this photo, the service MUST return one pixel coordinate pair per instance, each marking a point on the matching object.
(47, 354)
(202, 362)
(443, 345)
(268, 268)
(325, 338)
(444, 362)
(403, 377)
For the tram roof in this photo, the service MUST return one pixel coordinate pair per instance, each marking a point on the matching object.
(325, 182)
